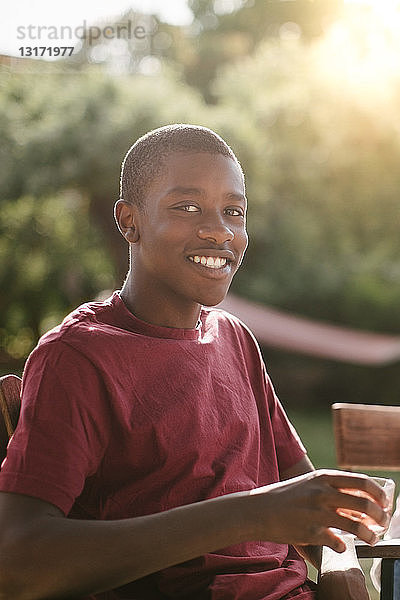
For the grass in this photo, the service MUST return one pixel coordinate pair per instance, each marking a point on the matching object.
(315, 429)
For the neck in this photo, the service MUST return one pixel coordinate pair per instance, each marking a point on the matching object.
(181, 315)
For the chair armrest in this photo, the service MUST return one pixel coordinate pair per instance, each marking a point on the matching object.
(383, 549)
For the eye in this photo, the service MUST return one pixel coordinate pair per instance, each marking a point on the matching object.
(188, 208)
(235, 212)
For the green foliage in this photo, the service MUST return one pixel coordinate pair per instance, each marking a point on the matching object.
(72, 128)
(51, 258)
(232, 29)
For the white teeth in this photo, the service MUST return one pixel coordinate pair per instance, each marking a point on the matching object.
(209, 261)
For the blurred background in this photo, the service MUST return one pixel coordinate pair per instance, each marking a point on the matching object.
(308, 95)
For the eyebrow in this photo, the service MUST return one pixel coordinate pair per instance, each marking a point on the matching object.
(236, 196)
(184, 191)
(191, 191)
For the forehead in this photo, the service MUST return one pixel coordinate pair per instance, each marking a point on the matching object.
(200, 169)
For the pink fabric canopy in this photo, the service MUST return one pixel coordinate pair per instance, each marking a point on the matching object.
(297, 334)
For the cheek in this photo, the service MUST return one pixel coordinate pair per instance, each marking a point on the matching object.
(242, 242)
(161, 248)
(157, 239)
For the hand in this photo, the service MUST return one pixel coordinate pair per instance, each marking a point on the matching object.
(342, 585)
(304, 509)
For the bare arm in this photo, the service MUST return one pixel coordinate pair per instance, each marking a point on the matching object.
(43, 554)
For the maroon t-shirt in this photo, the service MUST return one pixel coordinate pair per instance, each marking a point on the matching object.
(122, 418)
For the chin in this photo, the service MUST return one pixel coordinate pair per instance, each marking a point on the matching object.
(212, 299)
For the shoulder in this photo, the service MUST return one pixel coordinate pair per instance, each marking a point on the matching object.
(65, 360)
(231, 326)
(85, 318)
(85, 323)
(226, 319)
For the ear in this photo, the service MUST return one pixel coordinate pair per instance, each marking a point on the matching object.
(125, 214)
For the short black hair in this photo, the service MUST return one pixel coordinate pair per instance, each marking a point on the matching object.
(144, 161)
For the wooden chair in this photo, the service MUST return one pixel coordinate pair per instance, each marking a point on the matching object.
(10, 403)
(367, 437)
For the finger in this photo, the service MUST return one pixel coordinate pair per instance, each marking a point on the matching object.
(361, 505)
(333, 540)
(357, 528)
(343, 479)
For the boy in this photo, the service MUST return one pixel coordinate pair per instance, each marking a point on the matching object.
(149, 421)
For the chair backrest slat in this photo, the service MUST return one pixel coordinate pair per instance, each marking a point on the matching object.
(367, 436)
(10, 404)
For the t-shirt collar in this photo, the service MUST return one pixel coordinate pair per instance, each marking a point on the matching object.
(133, 323)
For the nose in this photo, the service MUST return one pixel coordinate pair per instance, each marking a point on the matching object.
(214, 229)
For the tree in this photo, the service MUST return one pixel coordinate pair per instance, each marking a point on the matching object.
(229, 30)
(222, 32)
(51, 258)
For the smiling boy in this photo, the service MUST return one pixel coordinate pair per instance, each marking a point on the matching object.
(192, 237)
(153, 459)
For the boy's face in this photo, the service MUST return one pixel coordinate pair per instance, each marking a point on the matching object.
(192, 231)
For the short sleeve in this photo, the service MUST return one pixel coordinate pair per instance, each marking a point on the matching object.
(289, 447)
(273, 419)
(61, 435)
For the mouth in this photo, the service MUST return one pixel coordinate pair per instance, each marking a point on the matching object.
(210, 262)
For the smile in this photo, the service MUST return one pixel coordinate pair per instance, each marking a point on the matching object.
(211, 262)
